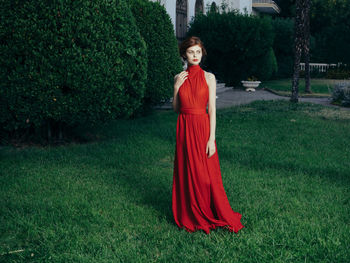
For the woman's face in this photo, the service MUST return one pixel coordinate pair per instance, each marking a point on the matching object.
(194, 55)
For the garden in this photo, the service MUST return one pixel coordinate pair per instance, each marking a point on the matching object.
(87, 160)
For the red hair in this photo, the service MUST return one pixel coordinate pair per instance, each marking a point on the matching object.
(189, 42)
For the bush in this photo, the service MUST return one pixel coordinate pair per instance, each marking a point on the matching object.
(69, 62)
(341, 94)
(341, 72)
(163, 55)
(283, 46)
(330, 25)
(267, 66)
(238, 46)
(314, 73)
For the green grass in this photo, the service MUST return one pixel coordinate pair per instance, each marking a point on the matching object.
(285, 168)
(319, 87)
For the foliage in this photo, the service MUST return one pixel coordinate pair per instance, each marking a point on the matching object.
(341, 72)
(162, 50)
(287, 8)
(341, 94)
(212, 7)
(69, 62)
(330, 25)
(238, 45)
(329, 28)
(314, 73)
(320, 87)
(252, 78)
(268, 65)
(283, 46)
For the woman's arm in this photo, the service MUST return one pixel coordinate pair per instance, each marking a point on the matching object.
(211, 80)
(176, 97)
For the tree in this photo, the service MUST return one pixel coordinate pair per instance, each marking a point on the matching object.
(307, 44)
(298, 46)
(330, 26)
(287, 8)
(163, 58)
(297, 50)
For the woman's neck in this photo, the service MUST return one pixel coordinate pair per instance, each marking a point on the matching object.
(192, 68)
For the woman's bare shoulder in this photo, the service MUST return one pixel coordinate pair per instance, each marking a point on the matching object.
(209, 76)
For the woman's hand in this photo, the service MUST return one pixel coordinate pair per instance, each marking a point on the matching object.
(210, 150)
(180, 79)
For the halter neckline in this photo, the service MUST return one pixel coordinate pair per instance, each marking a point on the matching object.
(193, 68)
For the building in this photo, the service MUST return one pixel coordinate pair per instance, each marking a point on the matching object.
(182, 11)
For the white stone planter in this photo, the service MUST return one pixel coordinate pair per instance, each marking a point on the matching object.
(250, 85)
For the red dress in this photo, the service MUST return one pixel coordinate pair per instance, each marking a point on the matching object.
(199, 200)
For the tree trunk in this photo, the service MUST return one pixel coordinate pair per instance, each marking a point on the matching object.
(60, 132)
(298, 45)
(307, 45)
(49, 132)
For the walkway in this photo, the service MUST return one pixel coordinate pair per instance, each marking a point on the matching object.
(227, 97)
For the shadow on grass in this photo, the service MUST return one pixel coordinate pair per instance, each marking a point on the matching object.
(146, 178)
(325, 170)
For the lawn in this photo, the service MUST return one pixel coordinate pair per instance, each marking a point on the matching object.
(285, 168)
(319, 87)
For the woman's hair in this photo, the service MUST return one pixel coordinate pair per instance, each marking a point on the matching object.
(189, 42)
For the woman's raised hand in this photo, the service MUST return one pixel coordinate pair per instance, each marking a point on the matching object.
(180, 79)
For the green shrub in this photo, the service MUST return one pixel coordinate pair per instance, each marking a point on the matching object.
(238, 46)
(341, 72)
(330, 25)
(341, 94)
(69, 62)
(283, 46)
(162, 50)
(314, 73)
(267, 66)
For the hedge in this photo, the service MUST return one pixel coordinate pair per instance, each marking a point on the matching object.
(239, 46)
(162, 50)
(283, 46)
(69, 62)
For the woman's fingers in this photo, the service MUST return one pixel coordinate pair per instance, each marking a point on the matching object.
(184, 73)
(210, 151)
(182, 77)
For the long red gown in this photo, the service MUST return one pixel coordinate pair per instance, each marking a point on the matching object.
(199, 200)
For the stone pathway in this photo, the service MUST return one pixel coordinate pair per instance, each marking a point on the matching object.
(227, 97)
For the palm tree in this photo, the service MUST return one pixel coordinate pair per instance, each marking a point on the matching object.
(307, 45)
(298, 46)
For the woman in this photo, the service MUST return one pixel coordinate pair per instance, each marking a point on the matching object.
(199, 200)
